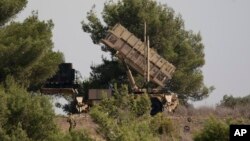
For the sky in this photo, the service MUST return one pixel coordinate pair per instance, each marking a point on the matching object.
(223, 24)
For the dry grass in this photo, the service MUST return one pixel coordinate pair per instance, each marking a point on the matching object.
(240, 111)
(198, 116)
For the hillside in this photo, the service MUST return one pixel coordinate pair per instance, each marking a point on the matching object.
(187, 121)
(83, 122)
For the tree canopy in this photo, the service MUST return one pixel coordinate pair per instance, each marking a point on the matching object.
(26, 47)
(167, 35)
(24, 116)
(9, 8)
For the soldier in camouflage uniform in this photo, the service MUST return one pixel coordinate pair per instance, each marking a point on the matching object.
(71, 121)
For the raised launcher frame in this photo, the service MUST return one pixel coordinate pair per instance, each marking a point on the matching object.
(132, 50)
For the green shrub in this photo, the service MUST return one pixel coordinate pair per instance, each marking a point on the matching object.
(214, 130)
(77, 136)
(126, 117)
(29, 117)
(25, 116)
(162, 124)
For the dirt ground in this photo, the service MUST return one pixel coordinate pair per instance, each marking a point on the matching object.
(83, 122)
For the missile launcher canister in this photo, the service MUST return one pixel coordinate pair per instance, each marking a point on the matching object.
(132, 51)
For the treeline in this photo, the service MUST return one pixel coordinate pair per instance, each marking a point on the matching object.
(231, 110)
(232, 102)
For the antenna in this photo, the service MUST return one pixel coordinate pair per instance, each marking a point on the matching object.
(145, 51)
(148, 64)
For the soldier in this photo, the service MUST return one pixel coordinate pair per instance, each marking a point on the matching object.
(171, 102)
(82, 107)
(71, 121)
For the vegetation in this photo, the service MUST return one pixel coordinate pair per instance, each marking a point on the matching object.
(103, 75)
(24, 116)
(9, 8)
(231, 102)
(26, 47)
(28, 117)
(126, 117)
(26, 61)
(215, 130)
(77, 136)
(167, 35)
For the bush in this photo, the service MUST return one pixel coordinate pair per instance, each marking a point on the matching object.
(29, 117)
(162, 125)
(77, 136)
(214, 130)
(126, 117)
(25, 114)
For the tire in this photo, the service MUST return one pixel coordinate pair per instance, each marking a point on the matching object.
(156, 106)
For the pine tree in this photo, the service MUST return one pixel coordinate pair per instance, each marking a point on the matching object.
(167, 35)
(26, 47)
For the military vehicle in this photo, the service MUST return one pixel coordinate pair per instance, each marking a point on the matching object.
(134, 54)
(64, 81)
(147, 62)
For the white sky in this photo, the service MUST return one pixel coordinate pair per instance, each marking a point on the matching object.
(224, 26)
